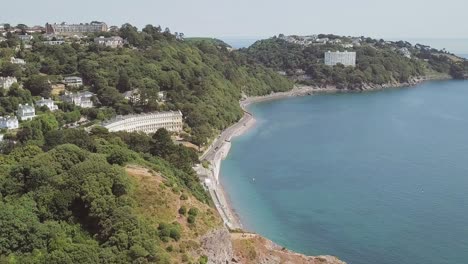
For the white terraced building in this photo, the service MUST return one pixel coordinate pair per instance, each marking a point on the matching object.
(9, 122)
(346, 58)
(147, 123)
(47, 102)
(26, 112)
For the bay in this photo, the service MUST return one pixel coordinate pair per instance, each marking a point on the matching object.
(374, 177)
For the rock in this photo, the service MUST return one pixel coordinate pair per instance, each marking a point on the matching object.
(217, 246)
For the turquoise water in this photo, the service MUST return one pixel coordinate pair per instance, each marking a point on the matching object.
(376, 177)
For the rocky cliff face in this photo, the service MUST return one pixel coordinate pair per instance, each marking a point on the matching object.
(217, 246)
(222, 247)
(252, 248)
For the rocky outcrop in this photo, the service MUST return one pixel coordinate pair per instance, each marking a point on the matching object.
(252, 248)
(217, 246)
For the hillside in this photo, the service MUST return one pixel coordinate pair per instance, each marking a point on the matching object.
(378, 62)
(201, 77)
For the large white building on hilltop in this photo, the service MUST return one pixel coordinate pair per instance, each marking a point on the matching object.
(26, 112)
(75, 29)
(346, 58)
(9, 122)
(147, 123)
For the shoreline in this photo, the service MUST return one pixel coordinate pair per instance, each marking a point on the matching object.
(220, 147)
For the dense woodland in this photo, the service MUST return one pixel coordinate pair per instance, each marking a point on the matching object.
(378, 62)
(72, 202)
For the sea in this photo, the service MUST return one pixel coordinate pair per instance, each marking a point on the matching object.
(371, 177)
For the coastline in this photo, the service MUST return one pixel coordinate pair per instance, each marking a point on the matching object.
(220, 147)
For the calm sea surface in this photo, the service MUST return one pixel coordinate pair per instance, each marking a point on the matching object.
(376, 177)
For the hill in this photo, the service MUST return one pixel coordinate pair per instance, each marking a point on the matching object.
(378, 62)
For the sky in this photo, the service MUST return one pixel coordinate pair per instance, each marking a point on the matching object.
(391, 19)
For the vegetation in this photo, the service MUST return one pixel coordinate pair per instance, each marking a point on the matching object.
(378, 62)
(70, 201)
(202, 77)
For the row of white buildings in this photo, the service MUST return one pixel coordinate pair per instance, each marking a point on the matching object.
(147, 123)
(25, 112)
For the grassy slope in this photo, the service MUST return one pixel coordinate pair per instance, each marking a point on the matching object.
(160, 203)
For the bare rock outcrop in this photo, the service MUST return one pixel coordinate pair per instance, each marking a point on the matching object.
(217, 246)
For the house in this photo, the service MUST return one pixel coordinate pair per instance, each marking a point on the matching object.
(54, 42)
(113, 42)
(6, 82)
(81, 99)
(35, 29)
(132, 96)
(26, 112)
(9, 122)
(73, 81)
(405, 51)
(17, 61)
(52, 37)
(47, 102)
(25, 38)
(162, 96)
(1, 137)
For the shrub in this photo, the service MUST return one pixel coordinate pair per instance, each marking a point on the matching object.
(193, 211)
(183, 210)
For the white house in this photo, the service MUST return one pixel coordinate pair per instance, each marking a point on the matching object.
(9, 122)
(54, 42)
(17, 61)
(113, 42)
(25, 37)
(82, 99)
(6, 82)
(73, 81)
(26, 112)
(47, 102)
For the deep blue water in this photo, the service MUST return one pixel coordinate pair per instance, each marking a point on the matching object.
(376, 177)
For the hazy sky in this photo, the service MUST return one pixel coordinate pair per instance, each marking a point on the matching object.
(376, 18)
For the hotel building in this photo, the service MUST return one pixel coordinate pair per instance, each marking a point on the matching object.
(75, 29)
(346, 58)
(147, 123)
